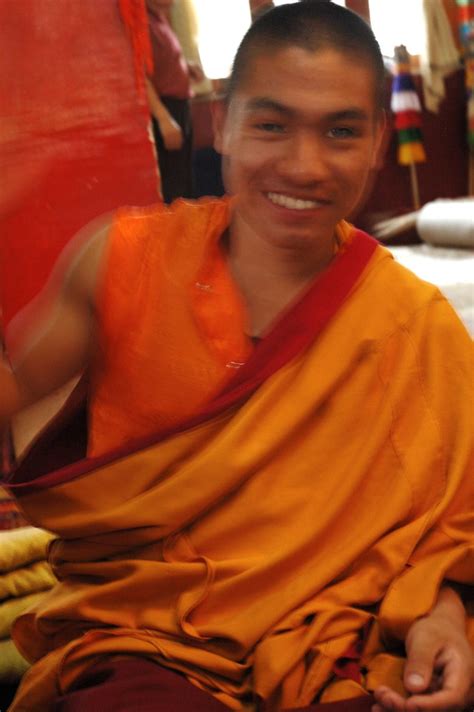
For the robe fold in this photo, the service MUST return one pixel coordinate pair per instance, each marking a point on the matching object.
(316, 502)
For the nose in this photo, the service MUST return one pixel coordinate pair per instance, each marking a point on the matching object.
(305, 160)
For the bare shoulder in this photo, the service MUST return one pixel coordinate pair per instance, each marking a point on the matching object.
(78, 269)
(52, 338)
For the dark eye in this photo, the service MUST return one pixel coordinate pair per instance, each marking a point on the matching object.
(270, 127)
(341, 132)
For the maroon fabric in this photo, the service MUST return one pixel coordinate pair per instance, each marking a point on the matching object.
(355, 704)
(170, 75)
(348, 665)
(62, 442)
(297, 327)
(141, 685)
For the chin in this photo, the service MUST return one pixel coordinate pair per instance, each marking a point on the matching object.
(290, 239)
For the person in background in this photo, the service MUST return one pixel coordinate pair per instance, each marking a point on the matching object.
(258, 7)
(169, 93)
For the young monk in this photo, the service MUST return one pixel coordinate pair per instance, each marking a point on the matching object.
(274, 511)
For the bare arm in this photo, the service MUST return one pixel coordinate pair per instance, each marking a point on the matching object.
(170, 130)
(52, 338)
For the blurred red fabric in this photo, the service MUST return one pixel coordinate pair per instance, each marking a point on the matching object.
(74, 139)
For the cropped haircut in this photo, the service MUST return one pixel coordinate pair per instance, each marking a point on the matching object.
(312, 25)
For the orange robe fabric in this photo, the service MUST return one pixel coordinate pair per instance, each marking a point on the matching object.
(250, 550)
(171, 320)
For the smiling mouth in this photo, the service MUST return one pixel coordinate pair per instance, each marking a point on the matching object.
(286, 201)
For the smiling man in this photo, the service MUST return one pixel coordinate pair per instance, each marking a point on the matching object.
(274, 510)
(299, 134)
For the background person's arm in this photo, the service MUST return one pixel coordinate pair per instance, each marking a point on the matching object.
(169, 128)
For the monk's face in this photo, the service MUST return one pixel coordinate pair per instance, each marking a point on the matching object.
(299, 137)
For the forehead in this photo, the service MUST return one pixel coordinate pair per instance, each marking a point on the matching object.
(304, 80)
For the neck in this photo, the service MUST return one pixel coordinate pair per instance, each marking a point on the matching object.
(289, 263)
(271, 277)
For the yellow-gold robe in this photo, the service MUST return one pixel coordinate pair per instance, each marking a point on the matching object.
(251, 549)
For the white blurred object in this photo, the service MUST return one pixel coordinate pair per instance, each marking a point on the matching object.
(397, 23)
(447, 230)
(439, 55)
(390, 227)
(221, 27)
(449, 268)
(448, 223)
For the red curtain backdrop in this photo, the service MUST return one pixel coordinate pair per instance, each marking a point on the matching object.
(74, 137)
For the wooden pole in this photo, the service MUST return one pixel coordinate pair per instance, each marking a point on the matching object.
(471, 174)
(415, 191)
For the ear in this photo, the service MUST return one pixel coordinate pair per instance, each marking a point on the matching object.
(382, 138)
(219, 117)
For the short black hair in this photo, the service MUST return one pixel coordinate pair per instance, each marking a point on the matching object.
(312, 25)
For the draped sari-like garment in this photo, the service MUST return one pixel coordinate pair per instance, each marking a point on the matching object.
(315, 505)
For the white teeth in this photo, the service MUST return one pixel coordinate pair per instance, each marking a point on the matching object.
(292, 203)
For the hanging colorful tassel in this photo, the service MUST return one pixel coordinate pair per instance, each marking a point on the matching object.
(466, 33)
(406, 107)
(466, 19)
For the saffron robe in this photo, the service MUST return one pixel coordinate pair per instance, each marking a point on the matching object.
(319, 502)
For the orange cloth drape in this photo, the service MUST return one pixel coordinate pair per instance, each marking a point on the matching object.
(171, 321)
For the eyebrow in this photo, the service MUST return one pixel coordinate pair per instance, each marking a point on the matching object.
(352, 114)
(265, 103)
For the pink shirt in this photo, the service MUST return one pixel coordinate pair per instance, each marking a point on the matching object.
(170, 75)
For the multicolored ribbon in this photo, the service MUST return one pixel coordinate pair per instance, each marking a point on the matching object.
(466, 19)
(406, 107)
(466, 32)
